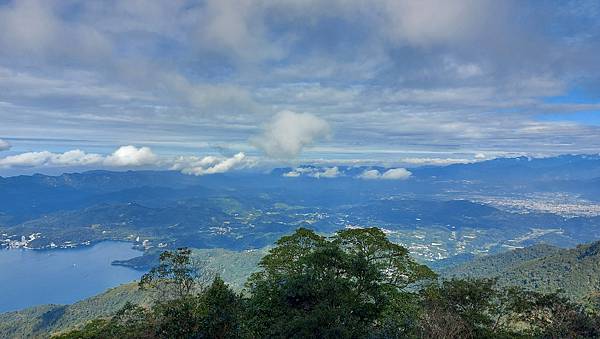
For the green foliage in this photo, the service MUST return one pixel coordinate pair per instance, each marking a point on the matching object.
(355, 284)
(474, 302)
(174, 277)
(480, 308)
(543, 268)
(554, 316)
(220, 311)
(310, 286)
(130, 322)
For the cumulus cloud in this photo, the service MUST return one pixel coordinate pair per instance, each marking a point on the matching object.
(45, 158)
(210, 164)
(125, 156)
(288, 133)
(76, 158)
(328, 172)
(4, 145)
(391, 174)
(28, 159)
(396, 174)
(131, 156)
(332, 172)
(370, 174)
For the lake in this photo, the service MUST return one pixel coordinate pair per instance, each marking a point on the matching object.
(62, 276)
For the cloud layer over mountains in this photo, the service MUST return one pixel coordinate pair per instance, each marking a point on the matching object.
(124, 156)
(127, 157)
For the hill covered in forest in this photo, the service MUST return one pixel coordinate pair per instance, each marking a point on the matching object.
(39, 321)
(574, 271)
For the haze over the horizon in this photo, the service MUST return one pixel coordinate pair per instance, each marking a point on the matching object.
(209, 86)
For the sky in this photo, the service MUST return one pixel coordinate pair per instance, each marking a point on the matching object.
(210, 86)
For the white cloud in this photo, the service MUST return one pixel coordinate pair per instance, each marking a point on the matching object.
(45, 158)
(209, 164)
(125, 156)
(288, 133)
(433, 21)
(28, 159)
(370, 174)
(331, 172)
(314, 172)
(76, 158)
(396, 174)
(291, 174)
(391, 174)
(4, 145)
(131, 156)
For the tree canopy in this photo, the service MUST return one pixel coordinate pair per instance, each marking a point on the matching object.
(354, 284)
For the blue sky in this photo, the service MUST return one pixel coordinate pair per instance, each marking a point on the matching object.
(191, 84)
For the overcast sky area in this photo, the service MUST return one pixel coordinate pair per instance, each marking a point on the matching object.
(209, 86)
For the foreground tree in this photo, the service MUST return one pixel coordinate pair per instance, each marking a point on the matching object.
(176, 276)
(554, 316)
(131, 322)
(464, 308)
(479, 308)
(311, 286)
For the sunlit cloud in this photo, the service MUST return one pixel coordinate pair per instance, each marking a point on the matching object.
(391, 174)
(210, 164)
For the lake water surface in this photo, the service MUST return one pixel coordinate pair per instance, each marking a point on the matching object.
(64, 276)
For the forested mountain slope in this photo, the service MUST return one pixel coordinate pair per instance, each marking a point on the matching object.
(542, 268)
(38, 321)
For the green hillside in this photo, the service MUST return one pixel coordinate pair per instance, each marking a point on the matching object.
(38, 321)
(542, 268)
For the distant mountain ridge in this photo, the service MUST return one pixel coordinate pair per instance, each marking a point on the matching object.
(563, 167)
